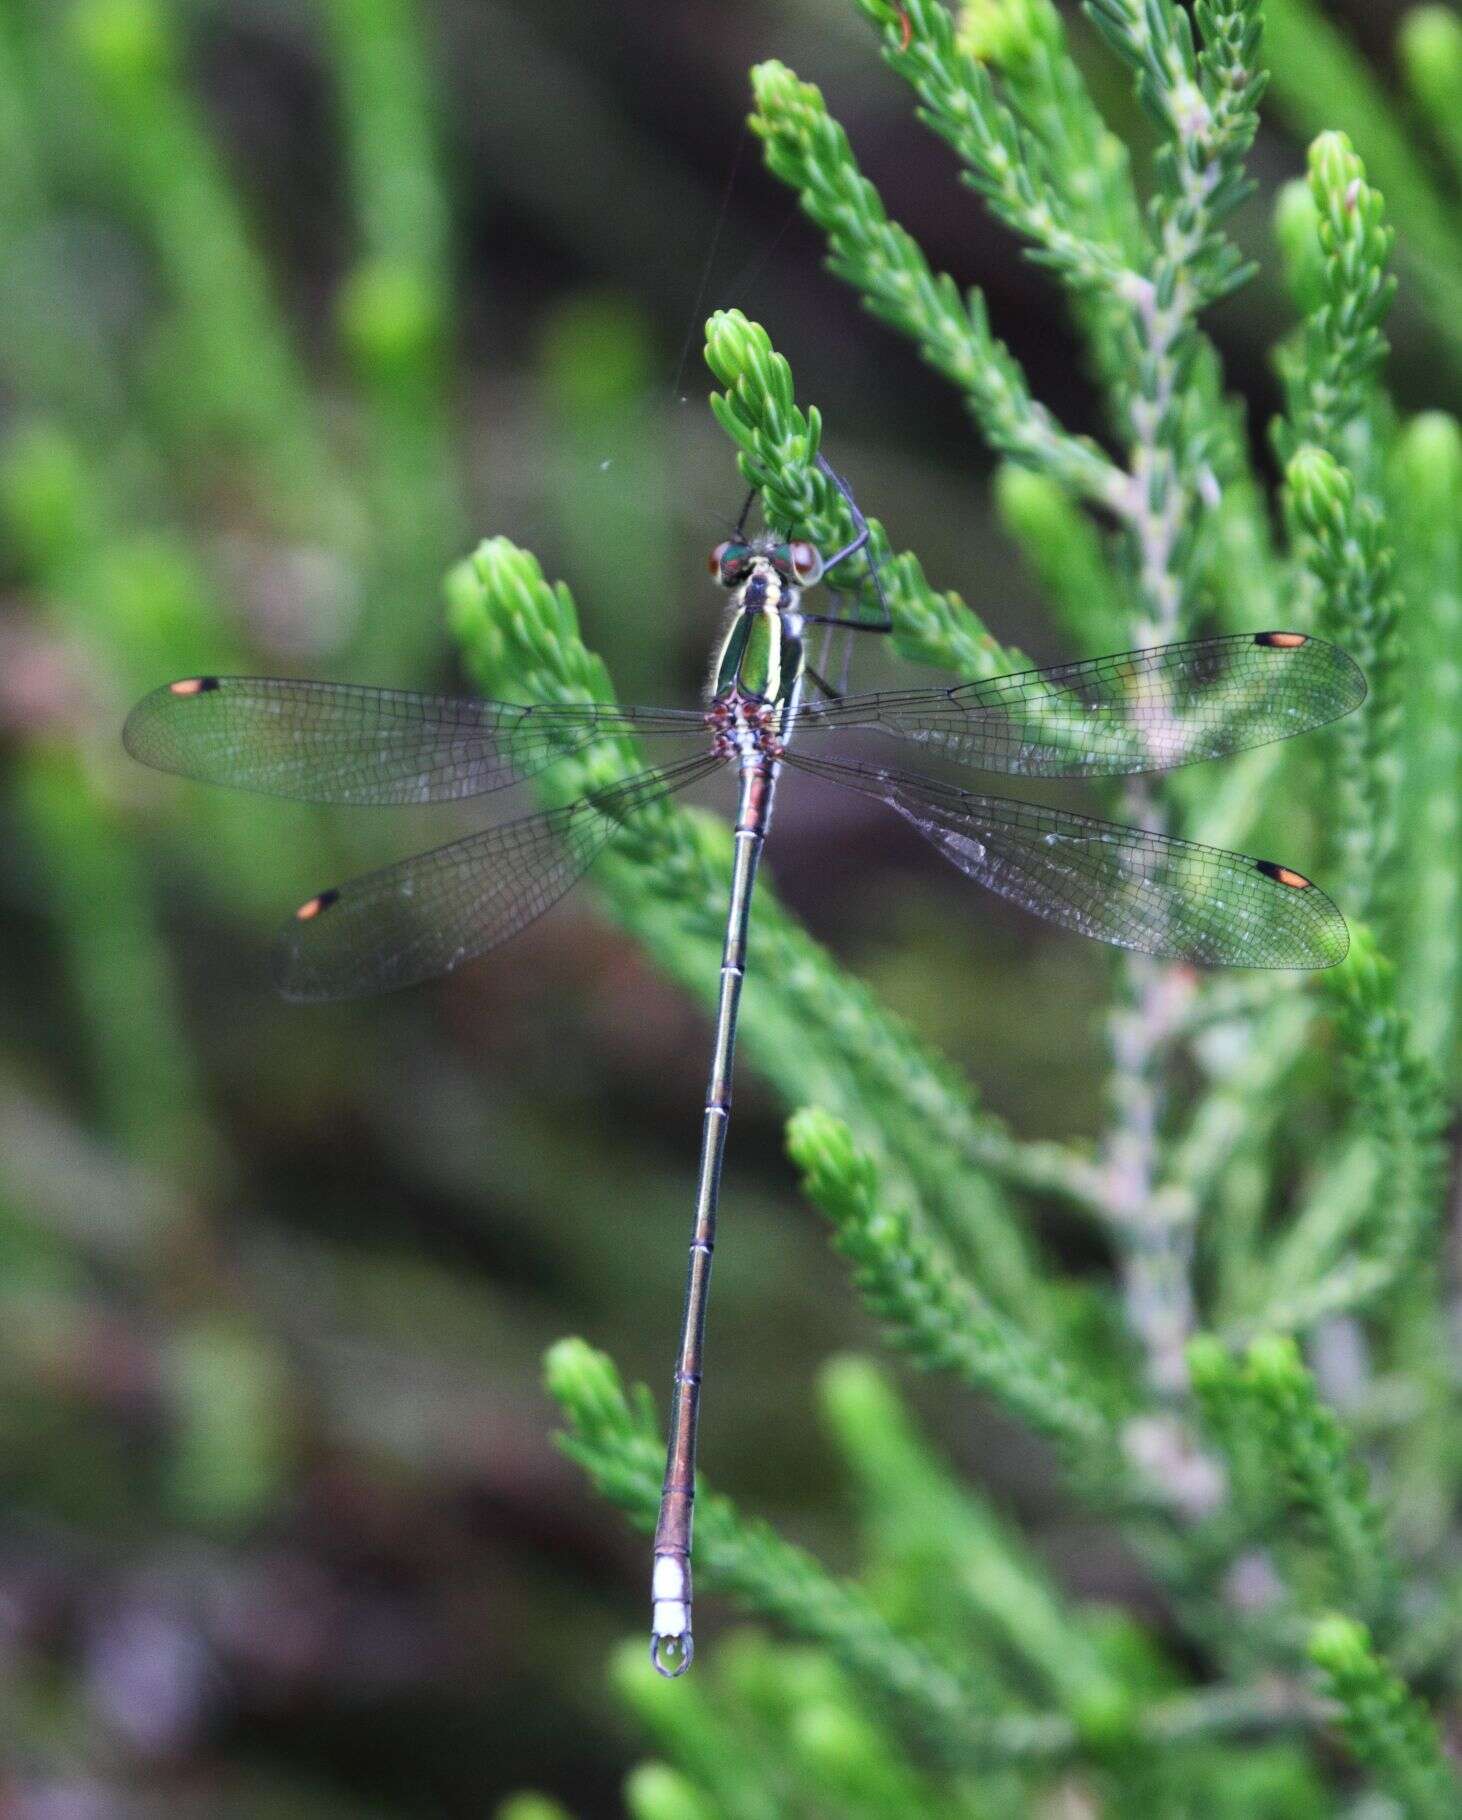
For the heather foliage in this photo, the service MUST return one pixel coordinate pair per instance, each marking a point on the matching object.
(274, 1290)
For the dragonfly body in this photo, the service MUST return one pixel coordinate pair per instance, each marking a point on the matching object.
(1105, 717)
(755, 690)
(756, 681)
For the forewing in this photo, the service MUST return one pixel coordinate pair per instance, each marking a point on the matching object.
(1166, 897)
(425, 916)
(344, 743)
(1115, 716)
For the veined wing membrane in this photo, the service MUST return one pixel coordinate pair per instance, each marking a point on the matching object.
(1115, 716)
(1172, 898)
(343, 743)
(429, 914)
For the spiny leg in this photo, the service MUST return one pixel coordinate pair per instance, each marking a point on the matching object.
(828, 691)
(859, 542)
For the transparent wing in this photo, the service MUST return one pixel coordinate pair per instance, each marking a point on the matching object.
(1166, 897)
(425, 916)
(343, 743)
(1113, 716)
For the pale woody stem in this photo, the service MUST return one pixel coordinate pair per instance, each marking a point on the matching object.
(1157, 1249)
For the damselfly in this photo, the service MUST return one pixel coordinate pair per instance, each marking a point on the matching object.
(1107, 717)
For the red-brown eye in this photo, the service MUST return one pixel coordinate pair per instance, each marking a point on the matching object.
(806, 562)
(728, 562)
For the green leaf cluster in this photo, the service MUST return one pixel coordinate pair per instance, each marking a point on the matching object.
(1212, 1339)
(1271, 1175)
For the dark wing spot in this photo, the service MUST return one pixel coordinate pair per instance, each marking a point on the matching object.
(308, 912)
(1281, 641)
(194, 685)
(1283, 875)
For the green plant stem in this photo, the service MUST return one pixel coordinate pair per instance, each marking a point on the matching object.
(810, 151)
(1387, 1727)
(1320, 82)
(1075, 149)
(777, 446)
(965, 1551)
(395, 312)
(665, 876)
(958, 101)
(616, 1440)
(1426, 495)
(932, 1311)
(1347, 548)
(1429, 50)
(241, 383)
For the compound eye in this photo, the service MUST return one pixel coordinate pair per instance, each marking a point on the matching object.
(806, 562)
(727, 562)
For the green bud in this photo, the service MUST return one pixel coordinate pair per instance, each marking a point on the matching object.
(1351, 212)
(857, 1398)
(1341, 1646)
(152, 588)
(581, 1379)
(1429, 465)
(840, 1749)
(1274, 1364)
(1388, 1728)
(758, 410)
(822, 1147)
(1364, 982)
(1210, 1364)
(128, 42)
(1297, 234)
(1323, 491)
(1006, 33)
(229, 1404)
(654, 1791)
(1429, 47)
(1334, 165)
(792, 118)
(44, 493)
(529, 1806)
(1105, 1714)
(631, 1673)
(773, 85)
(512, 576)
(1033, 507)
(880, 11)
(390, 317)
(735, 346)
(596, 354)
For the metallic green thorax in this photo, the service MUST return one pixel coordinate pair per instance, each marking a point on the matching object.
(762, 655)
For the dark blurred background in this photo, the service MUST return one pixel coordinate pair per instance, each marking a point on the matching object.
(299, 301)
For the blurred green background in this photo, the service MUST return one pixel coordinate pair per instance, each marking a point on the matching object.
(298, 301)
